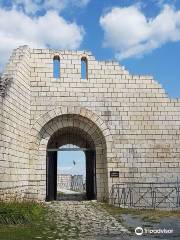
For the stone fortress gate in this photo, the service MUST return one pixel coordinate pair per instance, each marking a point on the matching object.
(126, 124)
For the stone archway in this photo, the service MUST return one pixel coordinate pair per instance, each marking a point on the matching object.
(89, 126)
(71, 135)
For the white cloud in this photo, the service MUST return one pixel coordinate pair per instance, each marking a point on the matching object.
(51, 30)
(131, 33)
(32, 6)
(29, 6)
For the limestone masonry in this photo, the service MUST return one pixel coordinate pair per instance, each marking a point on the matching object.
(70, 182)
(127, 119)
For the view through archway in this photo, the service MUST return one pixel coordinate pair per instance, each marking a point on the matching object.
(71, 173)
(71, 165)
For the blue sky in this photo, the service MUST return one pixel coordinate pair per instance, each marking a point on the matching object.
(66, 165)
(144, 36)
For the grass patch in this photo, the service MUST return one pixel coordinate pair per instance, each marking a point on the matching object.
(21, 221)
(147, 215)
(60, 194)
(14, 213)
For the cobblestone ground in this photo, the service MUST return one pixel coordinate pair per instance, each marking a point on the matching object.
(83, 220)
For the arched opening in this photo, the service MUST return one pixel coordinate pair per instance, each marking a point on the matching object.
(56, 67)
(70, 139)
(71, 173)
(92, 131)
(84, 68)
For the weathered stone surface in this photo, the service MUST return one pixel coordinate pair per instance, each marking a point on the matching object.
(132, 123)
(84, 220)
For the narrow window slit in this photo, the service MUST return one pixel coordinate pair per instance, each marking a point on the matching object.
(56, 67)
(84, 69)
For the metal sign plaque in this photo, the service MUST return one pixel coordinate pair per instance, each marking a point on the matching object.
(114, 174)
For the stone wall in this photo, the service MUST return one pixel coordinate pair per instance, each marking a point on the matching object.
(140, 123)
(143, 121)
(63, 182)
(70, 182)
(15, 126)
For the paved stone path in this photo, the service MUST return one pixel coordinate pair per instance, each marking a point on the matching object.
(84, 220)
